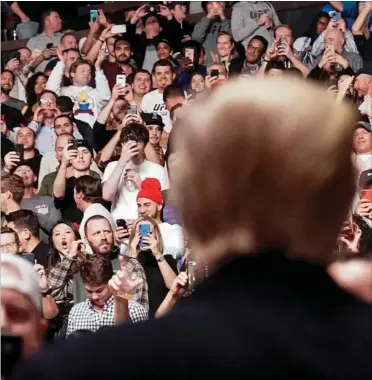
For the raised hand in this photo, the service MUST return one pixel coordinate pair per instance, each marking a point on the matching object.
(122, 284)
(151, 244)
(76, 246)
(352, 243)
(100, 59)
(68, 154)
(179, 286)
(121, 234)
(135, 243)
(38, 115)
(13, 64)
(364, 208)
(165, 12)
(140, 12)
(11, 161)
(60, 54)
(128, 151)
(117, 91)
(40, 271)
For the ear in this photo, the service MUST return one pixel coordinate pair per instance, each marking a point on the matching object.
(8, 194)
(34, 178)
(160, 207)
(72, 75)
(26, 234)
(173, 76)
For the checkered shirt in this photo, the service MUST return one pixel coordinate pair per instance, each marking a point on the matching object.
(83, 316)
(60, 279)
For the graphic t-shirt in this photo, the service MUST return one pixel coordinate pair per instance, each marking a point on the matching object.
(153, 102)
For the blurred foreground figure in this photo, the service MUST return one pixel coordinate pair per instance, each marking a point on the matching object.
(265, 184)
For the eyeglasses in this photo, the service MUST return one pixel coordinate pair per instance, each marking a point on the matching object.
(45, 101)
(255, 49)
(8, 245)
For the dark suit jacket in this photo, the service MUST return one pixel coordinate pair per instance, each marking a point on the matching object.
(259, 318)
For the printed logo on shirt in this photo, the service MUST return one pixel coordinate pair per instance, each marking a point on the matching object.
(42, 209)
(257, 14)
(83, 104)
(159, 107)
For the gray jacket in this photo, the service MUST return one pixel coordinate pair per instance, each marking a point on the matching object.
(206, 32)
(244, 21)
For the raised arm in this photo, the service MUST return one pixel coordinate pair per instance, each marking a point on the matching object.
(59, 186)
(360, 22)
(56, 76)
(94, 51)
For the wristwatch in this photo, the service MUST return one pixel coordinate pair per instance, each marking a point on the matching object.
(160, 259)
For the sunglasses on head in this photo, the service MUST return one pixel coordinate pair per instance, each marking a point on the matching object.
(45, 101)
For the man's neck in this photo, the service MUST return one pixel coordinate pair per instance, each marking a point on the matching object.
(138, 161)
(78, 173)
(29, 192)
(138, 99)
(84, 205)
(49, 32)
(4, 97)
(49, 122)
(29, 153)
(160, 89)
(32, 243)
(12, 207)
(150, 36)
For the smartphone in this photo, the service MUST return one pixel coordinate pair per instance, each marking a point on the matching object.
(50, 45)
(121, 79)
(152, 9)
(20, 150)
(335, 15)
(282, 42)
(116, 29)
(11, 352)
(93, 15)
(75, 144)
(191, 94)
(215, 73)
(189, 53)
(367, 194)
(330, 48)
(144, 230)
(17, 55)
(132, 110)
(121, 223)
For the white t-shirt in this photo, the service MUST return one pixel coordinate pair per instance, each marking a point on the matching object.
(153, 102)
(173, 240)
(364, 162)
(124, 205)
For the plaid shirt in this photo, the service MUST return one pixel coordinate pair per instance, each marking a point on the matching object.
(60, 279)
(141, 294)
(83, 316)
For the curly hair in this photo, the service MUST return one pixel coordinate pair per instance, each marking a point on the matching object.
(32, 97)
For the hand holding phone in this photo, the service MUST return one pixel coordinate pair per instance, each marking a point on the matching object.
(20, 150)
(144, 231)
(93, 15)
(119, 29)
(367, 194)
(121, 80)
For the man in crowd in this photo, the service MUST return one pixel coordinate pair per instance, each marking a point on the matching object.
(163, 76)
(250, 18)
(362, 145)
(105, 306)
(155, 126)
(7, 83)
(88, 199)
(207, 29)
(80, 160)
(12, 192)
(123, 64)
(254, 52)
(52, 24)
(10, 244)
(173, 95)
(26, 225)
(150, 203)
(70, 56)
(122, 179)
(363, 86)
(141, 86)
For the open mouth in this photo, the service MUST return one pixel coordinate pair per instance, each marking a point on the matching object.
(64, 245)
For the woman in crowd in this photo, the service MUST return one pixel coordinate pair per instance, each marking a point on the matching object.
(197, 82)
(34, 87)
(64, 255)
(160, 270)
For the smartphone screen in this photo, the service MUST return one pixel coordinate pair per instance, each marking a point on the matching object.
(93, 15)
(367, 194)
(144, 230)
(74, 145)
(19, 149)
(121, 223)
(50, 45)
(189, 53)
(132, 110)
(121, 79)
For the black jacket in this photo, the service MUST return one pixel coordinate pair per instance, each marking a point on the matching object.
(259, 318)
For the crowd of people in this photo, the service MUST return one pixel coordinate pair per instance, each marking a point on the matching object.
(88, 156)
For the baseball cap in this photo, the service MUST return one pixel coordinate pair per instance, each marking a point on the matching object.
(153, 118)
(18, 274)
(165, 41)
(364, 125)
(365, 178)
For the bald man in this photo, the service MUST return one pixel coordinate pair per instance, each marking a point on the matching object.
(263, 212)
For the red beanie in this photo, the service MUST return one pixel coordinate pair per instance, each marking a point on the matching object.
(151, 189)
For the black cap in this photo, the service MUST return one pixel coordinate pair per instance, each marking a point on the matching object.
(365, 178)
(364, 125)
(153, 118)
(164, 40)
(365, 70)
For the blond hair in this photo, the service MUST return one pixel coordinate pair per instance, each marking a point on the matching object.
(266, 164)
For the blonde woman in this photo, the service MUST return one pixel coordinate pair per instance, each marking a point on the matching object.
(160, 269)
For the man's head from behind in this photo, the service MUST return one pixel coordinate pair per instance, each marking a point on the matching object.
(150, 199)
(26, 225)
(9, 241)
(96, 271)
(99, 234)
(87, 190)
(21, 312)
(12, 191)
(173, 95)
(363, 84)
(309, 181)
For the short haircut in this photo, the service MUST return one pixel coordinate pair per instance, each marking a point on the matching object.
(263, 40)
(173, 91)
(193, 45)
(66, 35)
(278, 65)
(122, 39)
(143, 71)
(25, 219)
(96, 270)
(15, 185)
(94, 217)
(10, 72)
(64, 103)
(162, 63)
(282, 26)
(173, 110)
(33, 132)
(47, 92)
(80, 62)
(226, 34)
(46, 14)
(135, 132)
(65, 117)
(90, 187)
(71, 49)
(204, 5)
(7, 230)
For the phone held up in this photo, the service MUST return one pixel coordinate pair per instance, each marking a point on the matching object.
(144, 230)
(117, 29)
(50, 45)
(132, 110)
(215, 73)
(121, 223)
(20, 150)
(121, 80)
(75, 144)
(93, 15)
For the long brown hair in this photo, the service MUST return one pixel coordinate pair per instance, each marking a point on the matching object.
(156, 232)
